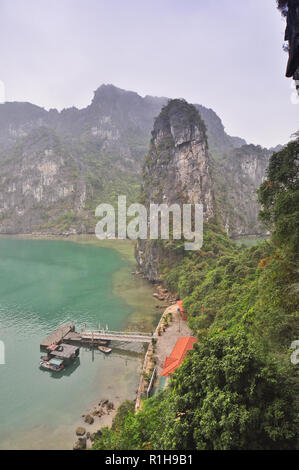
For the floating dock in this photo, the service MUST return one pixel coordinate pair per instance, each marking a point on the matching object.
(106, 335)
(58, 335)
(66, 333)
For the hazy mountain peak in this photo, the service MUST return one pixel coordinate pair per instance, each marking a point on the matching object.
(110, 91)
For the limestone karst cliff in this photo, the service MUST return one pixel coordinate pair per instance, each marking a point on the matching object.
(56, 167)
(236, 179)
(176, 171)
(181, 167)
(177, 167)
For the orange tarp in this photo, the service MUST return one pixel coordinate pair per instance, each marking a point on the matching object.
(172, 362)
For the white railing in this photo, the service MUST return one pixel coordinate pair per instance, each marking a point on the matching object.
(115, 333)
(150, 386)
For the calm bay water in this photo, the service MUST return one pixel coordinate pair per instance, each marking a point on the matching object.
(44, 283)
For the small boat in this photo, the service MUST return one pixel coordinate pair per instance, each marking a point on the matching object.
(53, 347)
(55, 365)
(59, 357)
(104, 349)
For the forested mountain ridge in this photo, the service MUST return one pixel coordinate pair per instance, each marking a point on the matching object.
(82, 157)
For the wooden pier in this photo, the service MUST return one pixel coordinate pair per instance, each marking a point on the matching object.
(106, 335)
(58, 335)
(66, 333)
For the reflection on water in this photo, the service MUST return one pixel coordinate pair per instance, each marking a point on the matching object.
(65, 372)
(43, 284)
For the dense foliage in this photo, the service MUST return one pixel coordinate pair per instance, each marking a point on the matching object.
(224, 396)
(238, 388)
(279, 195)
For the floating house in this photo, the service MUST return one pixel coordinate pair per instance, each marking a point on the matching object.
(59, 357)
(66, 352)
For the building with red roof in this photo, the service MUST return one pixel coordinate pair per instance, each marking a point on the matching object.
(172, 362)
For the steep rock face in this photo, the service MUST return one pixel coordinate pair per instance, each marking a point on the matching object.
(176, 171)
(56, 167)
(238, 171)
(38, 184)
(101, 152)
(236, 181)
(177, 165)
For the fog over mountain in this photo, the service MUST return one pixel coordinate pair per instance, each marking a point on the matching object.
(223, 54)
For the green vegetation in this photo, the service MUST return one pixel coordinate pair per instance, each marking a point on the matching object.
(279, 195)
(182, 113)
(237, 389)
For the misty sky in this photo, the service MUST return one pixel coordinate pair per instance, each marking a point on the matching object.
(224, 54)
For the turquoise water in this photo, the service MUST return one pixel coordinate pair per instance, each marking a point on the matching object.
(44, 283)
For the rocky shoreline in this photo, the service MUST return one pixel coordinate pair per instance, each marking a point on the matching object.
(92, 422)
(102, 414)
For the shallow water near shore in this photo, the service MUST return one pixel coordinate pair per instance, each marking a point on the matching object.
(44, 283)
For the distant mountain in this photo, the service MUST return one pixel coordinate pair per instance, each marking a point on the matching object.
(56, 167)
(220, 143)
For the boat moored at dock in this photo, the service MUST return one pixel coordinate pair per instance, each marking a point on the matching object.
(64, 342)
(104, 349)
(54, 365)
(59, 357)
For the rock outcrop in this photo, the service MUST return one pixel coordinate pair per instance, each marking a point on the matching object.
(80, 431)
(80, 444)
(176, 171)
(56, 167)
(236, 180)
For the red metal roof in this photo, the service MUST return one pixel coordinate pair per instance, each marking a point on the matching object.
(182, 346)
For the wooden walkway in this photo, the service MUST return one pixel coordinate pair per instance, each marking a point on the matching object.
(58, 335)
(106, 335)
(66, 333)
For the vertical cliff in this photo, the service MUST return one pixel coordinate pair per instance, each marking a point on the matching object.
(37, 185)
(176, 170)
(96, 153)
(236, 179)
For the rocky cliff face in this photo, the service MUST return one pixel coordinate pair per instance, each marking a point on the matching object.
(177, 167)
(236, 180)
(176, 171)
(56, 167)
(238, 171)
(37, 184)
